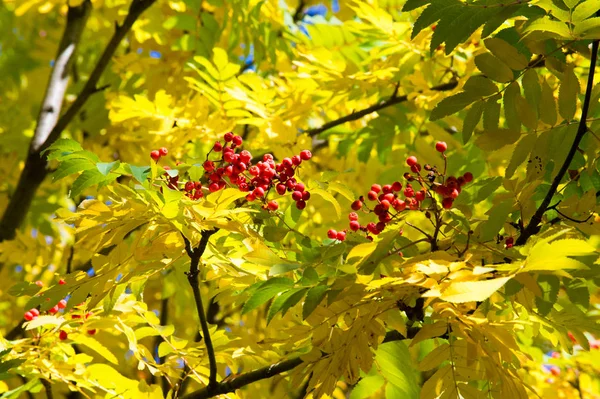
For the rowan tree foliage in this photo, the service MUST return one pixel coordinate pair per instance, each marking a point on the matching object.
(299, 199)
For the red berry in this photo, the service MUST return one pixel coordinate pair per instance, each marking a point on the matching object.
(416, 168)
(237, 140)
(356, 205)
(305, 155)
(62, 335)
(299, 187)
(412, 160)
(353, 216)
(62, 282)
(572, 337)
(228, 137)
(399, 205)
(189, 186)
(396, 186)
(509, 240)
(331, 233)
(555, 370)
(555, 355)
(39, 283)
(447, 203)
(155, 155)
(409, 192)
(34, 312)
(372, 195)
(28, 316)
(208, 166)
(258, 192)
(273, 205)
(53, 309)
(305, 195)
(354, 225)
(385, 205)
(92, 332)
(213, 187)
(420, 195)
(341, 235)
(376, 188)
(217, 147)
(454, 194)
(441, 146)
(287, 162)
(62, 304)
(163, 151)
(250, 197)
(300, 205)
(468, 177)
(296, 160)
(297, 195)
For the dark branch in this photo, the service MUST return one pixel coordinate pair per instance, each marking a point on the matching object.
(393, 100)
(195, 254)
(299, 14)
(48, 388)
(35, 169)
(164, 319)
(275, 369)
(533, 227)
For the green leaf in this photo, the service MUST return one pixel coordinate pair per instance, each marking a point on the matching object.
(493, 68)
(62, 146)
(511, 114)
(532, 89)
(394, 361)
(522, 150)
(481, 86)
(545, 24)
(526, 113)
(105, 168)
(585, 10)
(70, 167)
(366, 386)
(23, 288)
(313, 298)
(578, 292)
(90, 178)
(267, 291)
(567, 94)
(436, 10)
(491, 114)
(453, 104)
(274, 233)
(285, 301)
(507, 53)
(471, 120)
(329, 198)
(281, 268)
(498, 217)
(547, 109)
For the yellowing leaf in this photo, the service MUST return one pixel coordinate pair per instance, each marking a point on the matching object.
(493, 68)
(567, 94)
(506, 53)
(96, 347)
(329, 198)
(430, 331)
(472, 291)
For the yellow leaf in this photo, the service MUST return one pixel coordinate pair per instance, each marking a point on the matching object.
(472, 291)
(96, 347)
(435, 357)
(430, 331)
(507, 53)
(329, 198)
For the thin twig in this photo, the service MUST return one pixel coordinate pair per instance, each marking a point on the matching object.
(534, 224)
(374, 108)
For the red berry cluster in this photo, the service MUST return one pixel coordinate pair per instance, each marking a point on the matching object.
(235, 168)
(157, 154)
(392, 199)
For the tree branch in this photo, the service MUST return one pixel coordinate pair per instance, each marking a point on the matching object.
(195, 254)
(49, 128)
(48, 388)
(533, 227)
(274, 369)
(393, 100)
(164, 318)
